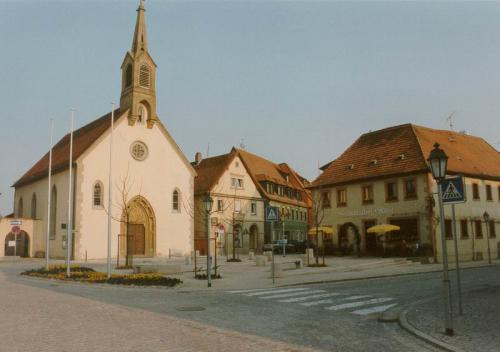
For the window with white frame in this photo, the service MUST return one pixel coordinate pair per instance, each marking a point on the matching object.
(237, 206)
(237, 183)
(253, 208)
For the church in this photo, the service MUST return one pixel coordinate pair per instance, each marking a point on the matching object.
(152, 181)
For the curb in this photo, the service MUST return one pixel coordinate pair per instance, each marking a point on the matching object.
(385, 276)
(405, 324)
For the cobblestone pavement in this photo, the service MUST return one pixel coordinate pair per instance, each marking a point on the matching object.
(476, 330)
(34, 319)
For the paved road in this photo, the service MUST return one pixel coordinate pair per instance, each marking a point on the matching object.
(332, 317)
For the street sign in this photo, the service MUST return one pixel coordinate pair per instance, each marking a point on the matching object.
(272, 214)
(281, 242)
(16, 222)
(12, 243)
(453, 189)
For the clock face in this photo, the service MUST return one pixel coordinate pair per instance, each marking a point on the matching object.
(139, 151)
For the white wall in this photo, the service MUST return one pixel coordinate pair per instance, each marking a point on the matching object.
(154, 179)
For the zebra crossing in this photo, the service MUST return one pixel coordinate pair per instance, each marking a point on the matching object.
(332, 301)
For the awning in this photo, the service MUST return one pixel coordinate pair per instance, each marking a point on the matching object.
(382, 228)
(327, 230)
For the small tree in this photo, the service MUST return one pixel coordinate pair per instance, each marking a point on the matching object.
(318, 212)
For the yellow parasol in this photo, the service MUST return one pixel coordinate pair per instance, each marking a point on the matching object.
(327, 230)
(382, 228)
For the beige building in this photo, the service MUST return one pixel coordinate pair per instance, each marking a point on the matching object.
(152, 178)
(242, 185)
(384, 178)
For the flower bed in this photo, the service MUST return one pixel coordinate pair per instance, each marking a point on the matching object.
(84, 274)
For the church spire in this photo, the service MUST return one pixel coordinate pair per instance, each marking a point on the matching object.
(139, 77)
(140, 41)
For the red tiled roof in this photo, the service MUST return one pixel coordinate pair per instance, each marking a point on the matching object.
(404, 149)
(83, 138)
(211, 169)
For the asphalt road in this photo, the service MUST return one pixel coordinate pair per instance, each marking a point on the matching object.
(331, 316)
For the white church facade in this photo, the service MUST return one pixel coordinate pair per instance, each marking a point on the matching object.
(152, 180)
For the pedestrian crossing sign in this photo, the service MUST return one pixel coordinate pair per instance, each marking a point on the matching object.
(453, 190)
(272, 214)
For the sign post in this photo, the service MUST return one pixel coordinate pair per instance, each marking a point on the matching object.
(453, 193)
(272, 215)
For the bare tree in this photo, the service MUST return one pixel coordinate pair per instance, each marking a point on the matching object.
(318, 212)
(124, 187)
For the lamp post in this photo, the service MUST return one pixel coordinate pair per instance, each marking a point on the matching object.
(486, 218)
(438, 162)
(208, 203)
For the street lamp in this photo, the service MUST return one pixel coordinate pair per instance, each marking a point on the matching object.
(486, 218)
(438, 161)
(208, 202)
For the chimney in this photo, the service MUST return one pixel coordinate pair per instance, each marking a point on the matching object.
(197, 158)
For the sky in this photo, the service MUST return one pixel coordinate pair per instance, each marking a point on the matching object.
(293, 81)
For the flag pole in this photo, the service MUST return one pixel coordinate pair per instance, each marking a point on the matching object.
(110, 188)
(49, 192)
(70, 193)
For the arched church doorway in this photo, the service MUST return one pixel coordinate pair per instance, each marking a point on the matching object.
(139, 224)
(17, 245)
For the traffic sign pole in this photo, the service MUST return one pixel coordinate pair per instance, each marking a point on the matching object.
(455, 240)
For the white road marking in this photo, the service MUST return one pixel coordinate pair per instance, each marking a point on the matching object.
(352, 298)
(301, 299)
(360, 303)
(377, 309)
(246, 291)
(301, 293)
(261, 293)
(315, 303)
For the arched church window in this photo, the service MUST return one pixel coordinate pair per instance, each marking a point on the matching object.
(33, 206)
(139, 151)
(53, 213)
(175, 200)
(97, 195)
(128, 75)
(145, 76)
(20, 209)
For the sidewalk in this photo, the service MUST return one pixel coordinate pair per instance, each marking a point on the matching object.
(476, 330)
(246, 275)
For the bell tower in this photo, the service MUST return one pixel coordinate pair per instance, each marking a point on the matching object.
(139, 77)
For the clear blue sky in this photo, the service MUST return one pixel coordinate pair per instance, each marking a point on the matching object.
(297, 81)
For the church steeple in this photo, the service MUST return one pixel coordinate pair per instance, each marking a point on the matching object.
(140, 41)
(139, 77)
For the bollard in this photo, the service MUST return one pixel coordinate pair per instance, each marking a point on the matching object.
(260, 260)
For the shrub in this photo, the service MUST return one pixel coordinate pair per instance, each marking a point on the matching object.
(84, 274)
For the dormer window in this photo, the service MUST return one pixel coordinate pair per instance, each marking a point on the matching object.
(350, 166)
(374, 162)
(145, 76)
